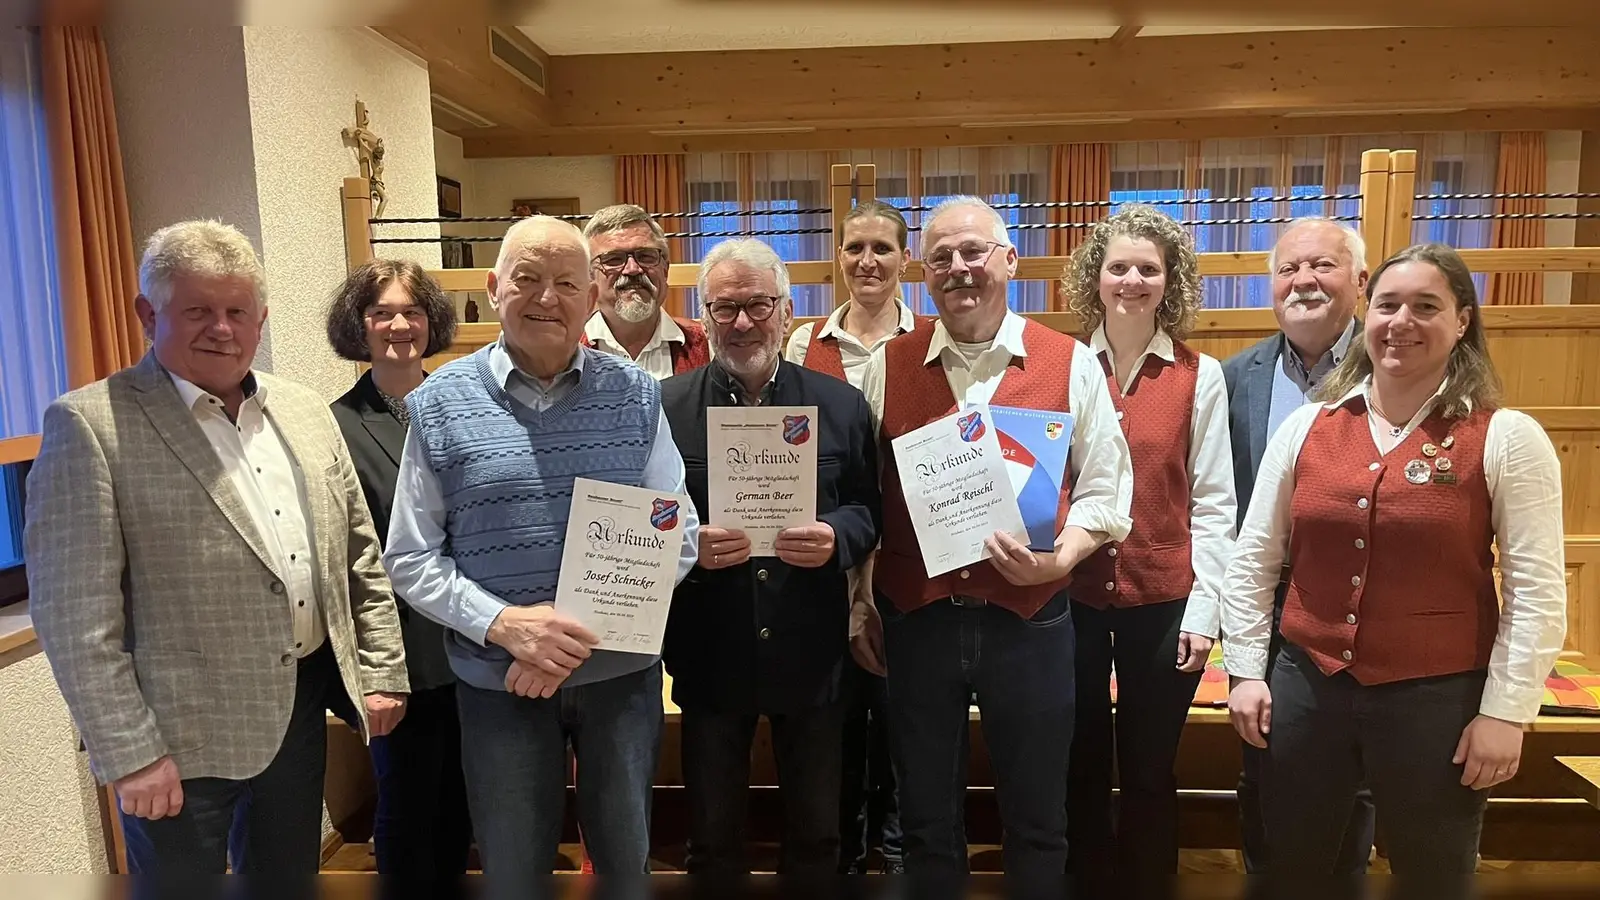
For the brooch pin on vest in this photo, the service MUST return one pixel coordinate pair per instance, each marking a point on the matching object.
(1417, 471)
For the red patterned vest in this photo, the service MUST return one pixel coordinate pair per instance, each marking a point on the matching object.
(915, 394)
(822, 353)
(694, 352)
(1154, 565)
(1391, 579)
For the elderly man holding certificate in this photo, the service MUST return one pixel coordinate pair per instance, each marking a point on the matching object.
(943, 621)
(782, 466)
(537, 516)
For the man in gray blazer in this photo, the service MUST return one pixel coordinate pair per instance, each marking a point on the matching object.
(204, 577)
(1318, 272)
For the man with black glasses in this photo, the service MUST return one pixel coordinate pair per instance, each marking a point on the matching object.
(765, 635)
(630, 260)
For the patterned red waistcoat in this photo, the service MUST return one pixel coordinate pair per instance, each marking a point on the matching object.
(694, 352)
(1155, 564)
(1392, 576)
(915, 394)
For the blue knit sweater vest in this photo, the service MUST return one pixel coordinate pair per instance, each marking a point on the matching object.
(506, 472)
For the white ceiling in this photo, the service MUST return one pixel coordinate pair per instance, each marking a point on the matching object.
(646, 26)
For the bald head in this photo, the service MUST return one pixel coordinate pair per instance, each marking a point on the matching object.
(541, 288)
(539, 231)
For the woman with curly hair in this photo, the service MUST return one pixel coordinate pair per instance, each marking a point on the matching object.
(1148, 605)
(391, 314)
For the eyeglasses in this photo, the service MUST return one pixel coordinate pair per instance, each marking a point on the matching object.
(972, 254)
(614, 262)
(726, 312)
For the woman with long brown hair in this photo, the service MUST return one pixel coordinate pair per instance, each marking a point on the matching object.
(1400, 667)
(1147, 605)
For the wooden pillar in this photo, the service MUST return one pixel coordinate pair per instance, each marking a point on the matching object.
(866, 183)
(1374, 187)
(840, 199)
(357, 203)
(1402, 201)
(1586, 286)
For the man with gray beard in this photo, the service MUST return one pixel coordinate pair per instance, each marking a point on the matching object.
(630, 259)
(751, 636)
(1318, 273)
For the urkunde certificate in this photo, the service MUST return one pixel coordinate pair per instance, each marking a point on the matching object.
(761, 470)
(956, 487)
(620, 563)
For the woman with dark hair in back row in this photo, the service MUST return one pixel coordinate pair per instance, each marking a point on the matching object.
(392, 315)
(1400, 667)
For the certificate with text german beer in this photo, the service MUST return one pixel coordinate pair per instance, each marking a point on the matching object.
(761, 470)
(620, 563)
(954, 480)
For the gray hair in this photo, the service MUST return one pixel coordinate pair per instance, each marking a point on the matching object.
(204, 247)
(530, 230)
(965, 202)
(746, 251)
(1354, 243)
(620, 216)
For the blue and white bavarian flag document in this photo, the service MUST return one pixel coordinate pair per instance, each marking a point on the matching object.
(1034, 443)
(954, 480)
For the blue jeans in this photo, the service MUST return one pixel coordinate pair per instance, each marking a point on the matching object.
(514, 752)
(1022, 673)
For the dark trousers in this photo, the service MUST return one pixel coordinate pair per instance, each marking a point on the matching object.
(1331, 733)
(1153, 698)
(1355, 848)
(269, 825)
(422, 831)
(869, 810)
(716, 776)
(514, 756)
(1022, 672)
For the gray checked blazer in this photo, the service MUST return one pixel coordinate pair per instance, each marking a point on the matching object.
(154, 596)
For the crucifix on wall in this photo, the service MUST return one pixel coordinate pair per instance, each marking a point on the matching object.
(369, 153)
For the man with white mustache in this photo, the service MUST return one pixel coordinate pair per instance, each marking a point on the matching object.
(1318, 271)
(1003, 627)
(630, 258)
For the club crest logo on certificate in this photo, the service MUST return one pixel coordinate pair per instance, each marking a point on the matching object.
(761, 470)
(620, 563)
(954, 480)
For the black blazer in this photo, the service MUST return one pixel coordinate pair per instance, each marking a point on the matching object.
(376, 439)
(767, 637)
(1249, 374)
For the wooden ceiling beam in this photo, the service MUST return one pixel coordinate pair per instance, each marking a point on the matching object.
(461, 69)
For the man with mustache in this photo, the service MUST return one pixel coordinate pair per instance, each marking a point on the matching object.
(1001, 627)
(475, 538)
(205, 578)
(630, 260)
(1318, 270)
(766, 636)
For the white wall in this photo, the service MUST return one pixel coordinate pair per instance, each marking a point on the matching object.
(448, 159)
(49, 809)
(1563, 150)
(592, 179)
(303, 84)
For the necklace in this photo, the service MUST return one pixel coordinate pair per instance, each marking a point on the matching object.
(1394, 430)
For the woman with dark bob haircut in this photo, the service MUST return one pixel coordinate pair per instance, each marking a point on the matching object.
(391, 314)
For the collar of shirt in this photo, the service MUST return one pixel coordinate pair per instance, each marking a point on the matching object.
(724, 381)
(192, 394)
(1364, 391)
(1296, 366)
(599, 332)
(1007, 340)
(1160, 345)
(503, 369)
(834, 327)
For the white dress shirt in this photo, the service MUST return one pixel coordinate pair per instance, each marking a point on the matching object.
(1524, 477)
(1102, 489)
(1213, 507)
(852, 352)
(655, 358)
(419, 566)
(272, 485)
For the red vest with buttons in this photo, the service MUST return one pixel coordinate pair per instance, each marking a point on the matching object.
(1154, 565)
(1392, 580)
(915, 394)
(694, 352)
(822, 355)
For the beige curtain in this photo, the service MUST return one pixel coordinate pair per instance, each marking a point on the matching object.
(94, 239)
(1078, 173)
(656, 182)
(1521, 171)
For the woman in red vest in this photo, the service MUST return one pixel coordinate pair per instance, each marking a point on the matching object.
(1148, 605)
(873, 257)
(1400, 668)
